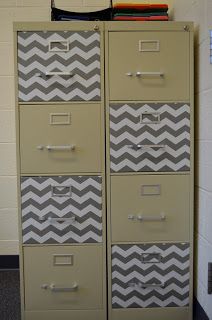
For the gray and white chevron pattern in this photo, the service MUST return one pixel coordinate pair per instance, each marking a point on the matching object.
(131, 276)
(172, 132)
(82, 59)
(76, 199)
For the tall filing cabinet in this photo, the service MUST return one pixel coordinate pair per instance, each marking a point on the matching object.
(149, 107)
(61, 170)
(105, 106)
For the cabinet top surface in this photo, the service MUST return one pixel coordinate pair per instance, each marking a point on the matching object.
(108, 25)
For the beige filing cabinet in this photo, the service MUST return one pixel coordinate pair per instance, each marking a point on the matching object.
(61, 170)
(149, 130)
(105, 106)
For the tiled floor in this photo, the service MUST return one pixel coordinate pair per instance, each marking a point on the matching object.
(10, 298)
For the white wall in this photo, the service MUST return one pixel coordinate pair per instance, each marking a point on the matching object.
(200, 11)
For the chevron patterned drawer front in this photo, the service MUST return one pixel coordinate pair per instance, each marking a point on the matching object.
(59, 66)
(150, 137)
(61, 209)
(150, 275)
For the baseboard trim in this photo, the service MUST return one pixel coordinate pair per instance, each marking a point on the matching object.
(9, 262)
(199, 313)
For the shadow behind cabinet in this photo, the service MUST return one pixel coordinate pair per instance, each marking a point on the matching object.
(67, 106)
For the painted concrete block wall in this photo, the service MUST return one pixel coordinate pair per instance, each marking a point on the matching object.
(200, 11)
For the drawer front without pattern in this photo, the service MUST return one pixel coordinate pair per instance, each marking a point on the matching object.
(158, 203)
(64, 209)
(60, 139)
(150, 275)
(63, 278)
(59, 66)
(149, 66)
(150, 137)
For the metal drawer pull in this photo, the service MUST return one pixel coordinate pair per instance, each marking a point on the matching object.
(146, 146)
(162, 217)
(140, 285)
(53, 288)
(157, 74)
(129, 74)
(50, 219)
(60, 148)
(57, 148)
(59, 73)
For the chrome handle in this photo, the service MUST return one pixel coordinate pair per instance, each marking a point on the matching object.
(60, 148)
(129, 74)
(140, 285)
(141, 74)
(54, 288)
(146, 146)
(51, 219)
(59, 73)
(162, 217)
(57, 148)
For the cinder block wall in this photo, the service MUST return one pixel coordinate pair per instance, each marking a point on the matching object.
(22, 10)
(200, 11)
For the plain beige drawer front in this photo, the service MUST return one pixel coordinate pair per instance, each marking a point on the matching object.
(60, 139)
(63, 278)
(150, 208)
(149, 65)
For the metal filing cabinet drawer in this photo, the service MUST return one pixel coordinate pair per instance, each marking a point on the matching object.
(150, 275)
(149, 137)
(150, 208)
(61, 209)
(63, 278)
(60, 138)
(142, 65)
(59, 66)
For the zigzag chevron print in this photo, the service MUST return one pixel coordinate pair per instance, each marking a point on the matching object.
(61, 209)
(150, 137)
(150, 275)
(77, 53)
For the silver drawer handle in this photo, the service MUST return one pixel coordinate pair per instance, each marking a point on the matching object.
(57, 148)
(139, 285)
(146, 146)
(59, 73)
(54, 288)
(162, 217)
(50, 219)
(68, 147)
(141, 74)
